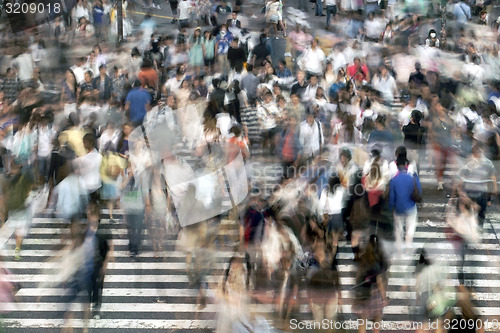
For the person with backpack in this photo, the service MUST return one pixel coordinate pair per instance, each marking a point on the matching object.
(404, 190)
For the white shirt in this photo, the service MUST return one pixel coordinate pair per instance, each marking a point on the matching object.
(88, 169)
(79, 74)
(45, 135)
(314, 60)
(373, 28)
(310, 138)
(393, 169)
(24, 66)
(331, 203)
(173, 85)
(386, 85)
(108, 136)
(184, 8)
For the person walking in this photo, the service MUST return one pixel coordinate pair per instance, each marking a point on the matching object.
(401, 198)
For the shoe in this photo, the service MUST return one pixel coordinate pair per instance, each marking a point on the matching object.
(173, 21)
(17, 255)
(277, 37)
(158, 7)
(440, 186)
(322, 15)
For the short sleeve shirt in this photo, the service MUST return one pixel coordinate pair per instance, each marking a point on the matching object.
(476, 174)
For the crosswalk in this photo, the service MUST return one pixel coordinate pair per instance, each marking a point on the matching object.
(133, 285)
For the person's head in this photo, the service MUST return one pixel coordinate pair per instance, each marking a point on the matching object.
(301, 76)
(249, 68)
(476, 151)
(282, 64)
(268, 97)
(380, 122)
(295, 99)
(292, 121)
(197, 31)
(383, 70)
(234, 15)
(185, 84)
(127, 129)
(315, 43)
(223, 29)
(432, 34)
(418, 66)
(416, 116)
(333, 183)
(310, 118)
(313, 80)
(102, 69)
(357, 61)
(371, 16)
(207, 34)
(88, 76)
(235, 43)
(345, 156)
(89, 142)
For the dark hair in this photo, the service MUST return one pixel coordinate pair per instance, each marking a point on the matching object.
(333, 183)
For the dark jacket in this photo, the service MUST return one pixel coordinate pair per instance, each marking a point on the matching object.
(104, 95)
(229, 23)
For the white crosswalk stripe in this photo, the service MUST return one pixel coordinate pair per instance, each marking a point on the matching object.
(132, 285)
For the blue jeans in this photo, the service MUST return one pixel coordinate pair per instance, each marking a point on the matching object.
(482, 200)
(134, 223)
(330, 11)
(319, 7)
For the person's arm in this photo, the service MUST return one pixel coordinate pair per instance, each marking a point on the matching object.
(109, 257)
(381, 289)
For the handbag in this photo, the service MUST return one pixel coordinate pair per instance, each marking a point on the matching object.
(415, 195)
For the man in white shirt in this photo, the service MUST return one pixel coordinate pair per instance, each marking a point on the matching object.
(25, 67)
(373, 28)
(310, 92)
(174, 84)
(88, 167)
(386, 84)
(314, 59)
(311, 137)
(184, 11)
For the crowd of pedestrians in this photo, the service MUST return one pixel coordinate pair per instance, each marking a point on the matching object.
(96, 130)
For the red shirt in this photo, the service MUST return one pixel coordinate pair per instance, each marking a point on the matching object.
(148, 76)
(358, 71)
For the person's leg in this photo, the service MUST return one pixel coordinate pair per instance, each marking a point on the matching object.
(328, 14)
(411, 226)
(482, 201)
(439, 162)
(398, 231)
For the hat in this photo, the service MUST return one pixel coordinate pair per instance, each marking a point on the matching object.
(197, 28)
